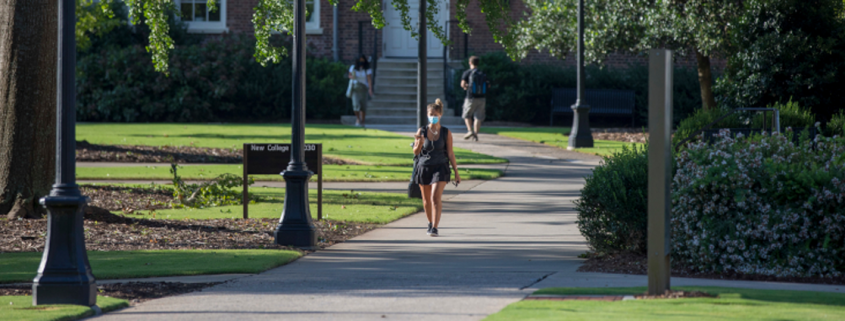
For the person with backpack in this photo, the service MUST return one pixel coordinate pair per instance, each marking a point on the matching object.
(362, 83)
(475, 83)
(433, 150)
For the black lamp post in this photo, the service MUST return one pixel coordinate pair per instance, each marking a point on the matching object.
(581, 135)
(64, 276)
(422, 69)
(295, 227)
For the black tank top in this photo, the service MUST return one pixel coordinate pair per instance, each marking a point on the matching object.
(434, 152)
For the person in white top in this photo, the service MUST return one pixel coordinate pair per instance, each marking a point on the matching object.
(363, 77)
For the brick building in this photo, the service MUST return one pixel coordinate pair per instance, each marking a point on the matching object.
(394, 49)
(356, 34)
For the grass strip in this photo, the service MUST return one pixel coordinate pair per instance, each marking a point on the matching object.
(331, 173)
(555, 136)
(22, 267)
(732, 304)
(20, 308)
(347, 206)
(365, 146)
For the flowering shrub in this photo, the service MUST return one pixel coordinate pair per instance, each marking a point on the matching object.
(761, 205)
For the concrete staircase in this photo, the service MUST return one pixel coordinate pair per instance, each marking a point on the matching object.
(395, 101)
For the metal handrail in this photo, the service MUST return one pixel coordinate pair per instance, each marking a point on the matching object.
(775, 122)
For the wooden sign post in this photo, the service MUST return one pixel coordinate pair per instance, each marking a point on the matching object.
(272, 159)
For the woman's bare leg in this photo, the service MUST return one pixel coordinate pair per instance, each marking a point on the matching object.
(427, 205)
(437, 201)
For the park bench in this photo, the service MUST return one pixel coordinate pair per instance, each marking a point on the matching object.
(601, 101)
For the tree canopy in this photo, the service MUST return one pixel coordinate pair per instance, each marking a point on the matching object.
(698, 27)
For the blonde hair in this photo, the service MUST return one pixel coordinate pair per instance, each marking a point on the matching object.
(436, 106)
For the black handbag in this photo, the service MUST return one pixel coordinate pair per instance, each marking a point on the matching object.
(414, 190)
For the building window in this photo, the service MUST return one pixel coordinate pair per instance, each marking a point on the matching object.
(201, 20)
(312, 17)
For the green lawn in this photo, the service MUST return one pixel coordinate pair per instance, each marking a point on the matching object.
(732, 304)
(22, 267)
(554, 136)
(347, 206)
(366, 146)
(331, 173)
(19, 308)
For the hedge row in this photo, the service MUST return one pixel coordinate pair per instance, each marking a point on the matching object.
(214, 80)
(523, 92)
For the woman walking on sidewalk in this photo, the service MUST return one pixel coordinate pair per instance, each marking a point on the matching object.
(363, 76)
(433, 145)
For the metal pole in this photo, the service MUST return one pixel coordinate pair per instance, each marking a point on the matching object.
(659, 169)
(335, 50)
(296, 227)
(64, 276)
(422, 68)
(581, 135)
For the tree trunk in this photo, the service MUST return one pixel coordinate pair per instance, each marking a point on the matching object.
(705, 81)
(28, 49)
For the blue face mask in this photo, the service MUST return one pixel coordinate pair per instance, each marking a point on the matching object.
(433, 119)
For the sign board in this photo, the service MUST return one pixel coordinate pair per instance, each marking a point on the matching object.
(273, 159)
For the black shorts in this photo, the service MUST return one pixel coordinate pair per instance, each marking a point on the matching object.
(430, 174)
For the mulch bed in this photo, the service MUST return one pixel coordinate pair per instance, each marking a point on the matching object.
(87, 152)
(630, 263)
(105, 231)
(138, 228)
(128, 199)
(134, 292)
(628, 135)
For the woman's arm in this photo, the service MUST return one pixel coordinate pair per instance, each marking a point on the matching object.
(370, 83)
(418, 142)
(452, 156)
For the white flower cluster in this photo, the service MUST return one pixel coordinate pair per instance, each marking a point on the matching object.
(761, 205)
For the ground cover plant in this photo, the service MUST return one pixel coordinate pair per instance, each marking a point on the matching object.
(731, 304)
(331, 173)
(19, 307)
(556, 136)
(363, 146)
(22, 267)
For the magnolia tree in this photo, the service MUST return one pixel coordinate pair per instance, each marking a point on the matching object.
(698, 27)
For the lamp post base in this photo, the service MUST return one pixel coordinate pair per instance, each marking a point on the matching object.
(64, 276)
(296, 228)
(581, 136)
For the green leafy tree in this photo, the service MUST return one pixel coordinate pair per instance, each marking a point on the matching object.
(787, 49)
(698, 27)
(277, 15)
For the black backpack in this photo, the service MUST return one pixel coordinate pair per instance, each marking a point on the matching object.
(478, 84)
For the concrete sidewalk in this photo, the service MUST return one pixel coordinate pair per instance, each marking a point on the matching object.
(497, 240)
